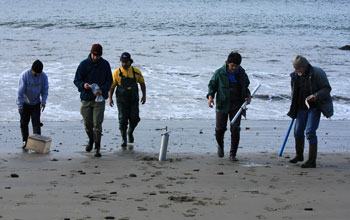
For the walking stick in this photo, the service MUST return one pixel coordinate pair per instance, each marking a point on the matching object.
(286, 138)
(244, 105)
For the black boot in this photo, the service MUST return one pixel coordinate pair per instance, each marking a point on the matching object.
(25, 134)
(97, 139)
(299, 149)
(124, 141)
(130, 134)
(235, 136)
(90, 145)
(220, 140)
(311, 162)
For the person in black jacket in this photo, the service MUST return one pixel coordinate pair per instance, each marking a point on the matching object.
(93, 79)
(310, 96)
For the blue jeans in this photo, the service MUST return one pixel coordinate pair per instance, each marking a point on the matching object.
(308, 121)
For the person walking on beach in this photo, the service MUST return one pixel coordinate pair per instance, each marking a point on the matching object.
(230, 85)
(310, 96)
(93, 79)
(32, 85)
(125, 79)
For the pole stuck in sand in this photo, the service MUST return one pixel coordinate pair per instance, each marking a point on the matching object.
(286, 138)
(164, 146)
(245, 104)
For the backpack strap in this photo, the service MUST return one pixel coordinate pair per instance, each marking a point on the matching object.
(133, 72)
(120, 73)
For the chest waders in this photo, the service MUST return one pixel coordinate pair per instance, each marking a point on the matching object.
(127, 96)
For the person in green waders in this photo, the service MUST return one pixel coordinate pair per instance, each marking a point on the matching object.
(125, 79)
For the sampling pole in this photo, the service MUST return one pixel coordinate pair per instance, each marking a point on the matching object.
(286, 138)
(164, 146)
(244, 104)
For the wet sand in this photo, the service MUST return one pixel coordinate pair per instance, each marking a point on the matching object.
(193, 183)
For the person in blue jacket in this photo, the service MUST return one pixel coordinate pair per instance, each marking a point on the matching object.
(93, 79)
(33, 89)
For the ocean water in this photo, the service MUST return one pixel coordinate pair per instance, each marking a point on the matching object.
(177, 45)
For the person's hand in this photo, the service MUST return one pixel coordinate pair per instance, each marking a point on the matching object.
(42, 107)
(99, 92)
(312, 98)
(210, 102)
(20, 111)
(143, 100)
(87, 86)
(249, 99)
(111, 103)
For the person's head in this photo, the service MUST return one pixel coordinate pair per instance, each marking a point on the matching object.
(300, 65)
(233, 61)
(37, 68)
(126, 60)
(96, 52)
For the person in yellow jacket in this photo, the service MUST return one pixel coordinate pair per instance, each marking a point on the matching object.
(125, 79)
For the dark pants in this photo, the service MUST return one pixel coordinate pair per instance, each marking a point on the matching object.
(30, 112)
(128, 113)
(221, 126)
(93, 115)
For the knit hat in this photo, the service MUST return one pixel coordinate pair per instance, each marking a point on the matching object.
(300, 62)
(96, 49)
(37, 66)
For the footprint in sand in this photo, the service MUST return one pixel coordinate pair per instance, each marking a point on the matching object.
(165, 206)
(159, 186)
(260, 217)
(278, 200)
(274, 179)
(141, 209)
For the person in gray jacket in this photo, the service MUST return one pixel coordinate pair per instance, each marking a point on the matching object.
(310, 96)
(33, 89)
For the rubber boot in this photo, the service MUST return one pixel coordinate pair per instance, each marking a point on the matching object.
(235, 136)
(97, 139)
(220, 140)
(25, 134)
(130, 134)
(311, 162)
(90, 145)
(299, 149)
(124, 141)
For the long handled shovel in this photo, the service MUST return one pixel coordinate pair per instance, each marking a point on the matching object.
(286, 138)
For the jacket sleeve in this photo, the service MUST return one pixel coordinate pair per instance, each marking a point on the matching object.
(44, 90)
(323, 85)
(293, 108)
(21, 88)
(213, 85)
(78, 79)
(247, 85)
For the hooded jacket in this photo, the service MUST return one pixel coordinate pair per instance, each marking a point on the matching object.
(30, 88)
(90, 72)
(220, 85)
(319, 86)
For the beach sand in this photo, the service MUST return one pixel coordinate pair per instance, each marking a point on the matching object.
(193, 183)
